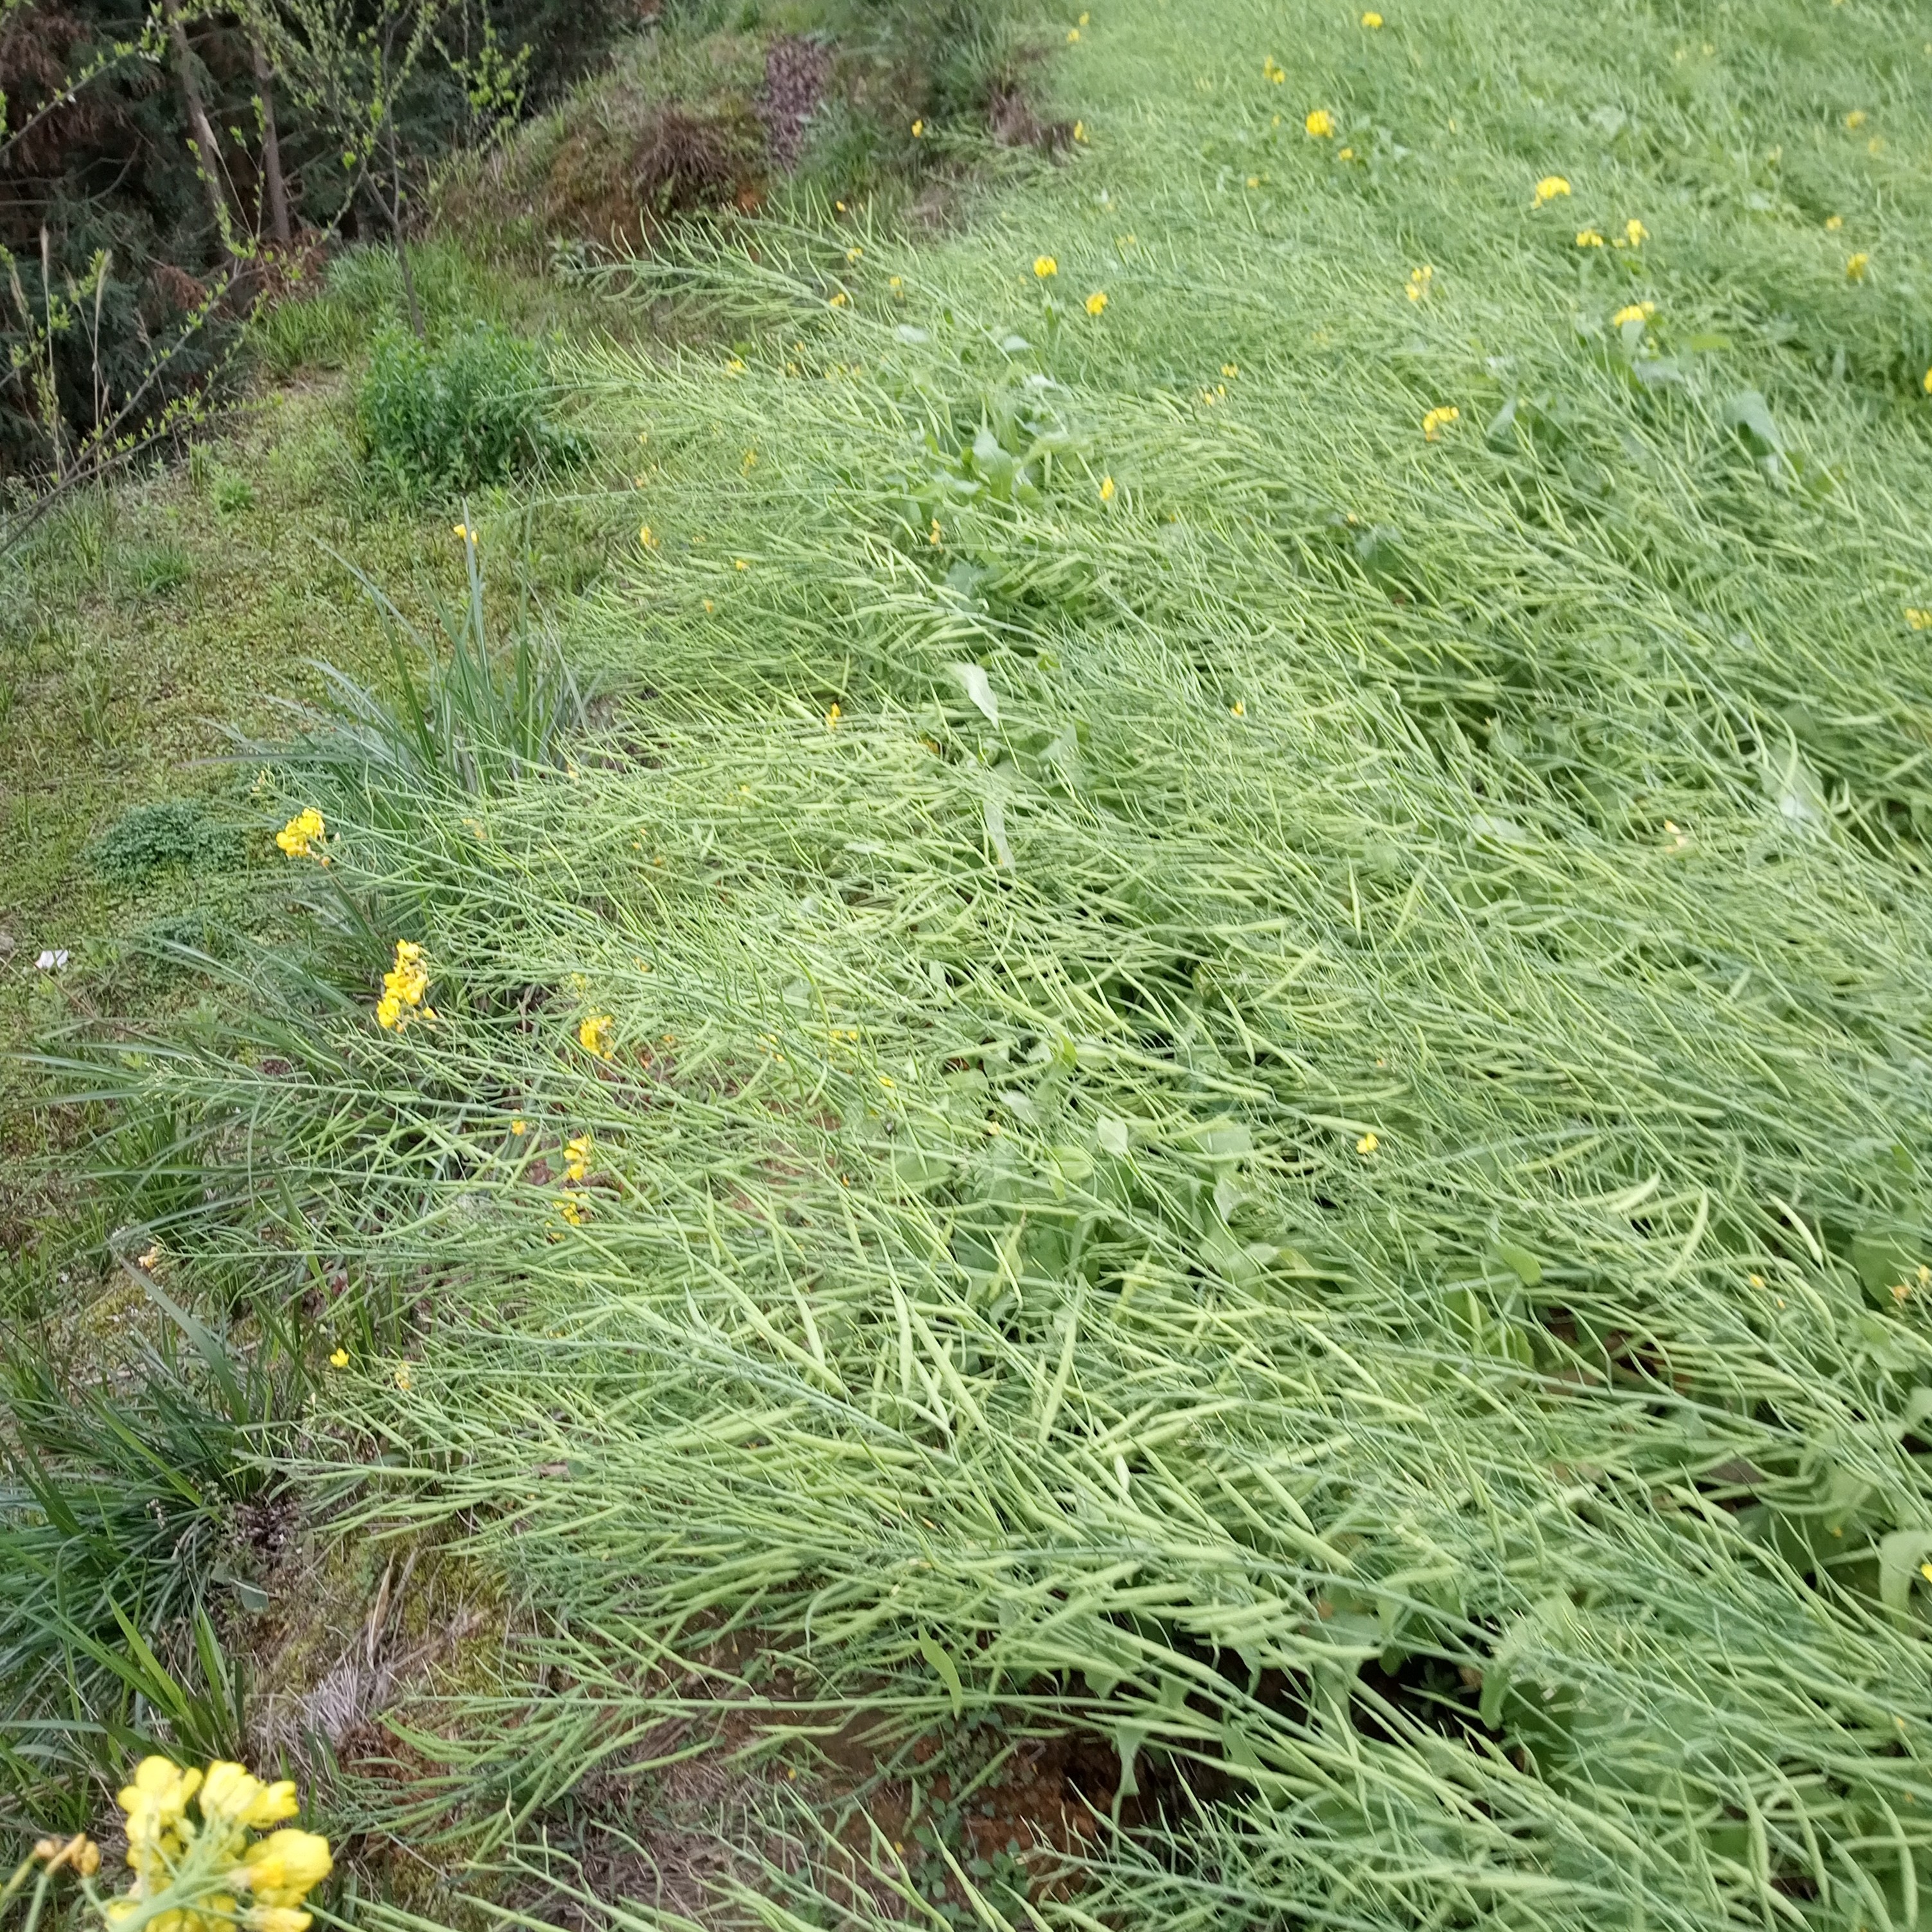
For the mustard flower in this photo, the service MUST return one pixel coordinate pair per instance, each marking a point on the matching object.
(1856, 118)
(1633, 312)
(1096, 302)
(832, 716)
(1320, 124)
(404, 986)
(339, 1359)
(1080, 132)
(1856, 265)
(1372, 20)
(1833, 223)
(1044, 265)
(918, 129)
(577, 1158)
(302, 833)
(1367, 1144)
(1635, 232)
(1420, 280)
(1589, 238)
(1432, 423)
(1106, 489)
(1549, 187)
(1273, 69)
(1919, 620)
(593, 1035)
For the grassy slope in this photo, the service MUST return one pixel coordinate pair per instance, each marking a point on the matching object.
(1313, 1174)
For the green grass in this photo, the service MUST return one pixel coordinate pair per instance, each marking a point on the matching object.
(1267, 1087)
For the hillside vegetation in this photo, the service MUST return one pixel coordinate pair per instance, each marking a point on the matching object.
(1146, 1145)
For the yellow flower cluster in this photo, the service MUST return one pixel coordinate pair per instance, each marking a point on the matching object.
(208, 1865)
(1433, 422)
(1549, 187)
(593, 1035)
(1633, 312)
(1096, 302)
(1272, 70)
(1320, 124)
(404, 986)
(299, 837)
(1420, 282)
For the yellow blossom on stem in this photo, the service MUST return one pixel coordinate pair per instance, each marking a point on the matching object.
(1044, 265)
(1419, 281)
(1433, 422)
(404, 986)
(339, 1359)
(1633, 312)
(1589, 238)
(577, 1158)
(1367, 1144)
(1372, 20)
(1096, 302)
(1272, 70)
(1106, 489)
(918, 129)
(1320, 124)
(1855, 267)
(593, 1034)
(1549, 187)
(302, 834)
(1635, 232)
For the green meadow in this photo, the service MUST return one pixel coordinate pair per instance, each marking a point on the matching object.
(1147, 1145)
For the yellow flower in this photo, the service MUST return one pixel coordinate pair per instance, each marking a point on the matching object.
(1927, 384)
(1419, 281)
(1254, 181)
(1925, 1571)
(1919, 620)
(838, 300)
(572, 1209)
(1371, 21)
(404, 986)
(1320, 124)
(463, 531)
(1096, 302)
(1231, 369)
(645, 539)
(282, 1868)
(1273, 69)
(577, 1157)
(1239, 709)
(1432, 423)
(276, 1919)
(340, 1359)
(1856, 118)
(154, 1802)
(1080, 132)
(1549, 187)
(1344, 154)
(1855, 267)
(520, 1127)
(1044, 265)
(1633, 312)
(1072, 34)
(301, 832)
(1833, 223)
(741, 563)
(1589, 238)
(933, 535)
(1367, 1144)
(895, 282)
(593, 1034)
(232, 1795)
(918, 129)
(1635, 232)
(1106, 489)
(832, 717)
(403, 1378)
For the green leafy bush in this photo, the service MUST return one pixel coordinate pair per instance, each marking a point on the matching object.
(438, 421)
(168, 835)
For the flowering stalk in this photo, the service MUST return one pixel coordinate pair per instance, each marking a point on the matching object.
(192, 1873)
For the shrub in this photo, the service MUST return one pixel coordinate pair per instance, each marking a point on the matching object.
(168, 835)
(438, 421)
